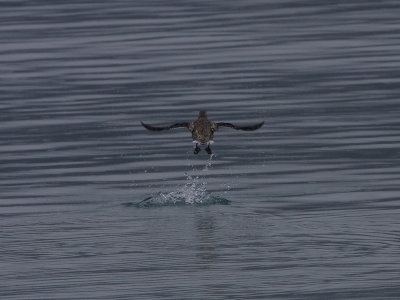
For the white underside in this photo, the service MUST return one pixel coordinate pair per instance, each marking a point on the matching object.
(208, 143)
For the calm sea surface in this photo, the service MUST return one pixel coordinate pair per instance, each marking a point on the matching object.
(93, 206)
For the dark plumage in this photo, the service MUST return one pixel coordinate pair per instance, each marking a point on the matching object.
(203, 129)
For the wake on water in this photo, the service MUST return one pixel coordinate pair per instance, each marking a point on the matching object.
(193, 192)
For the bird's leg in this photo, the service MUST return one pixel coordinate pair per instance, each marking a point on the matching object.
(208, 149)
(196, 149)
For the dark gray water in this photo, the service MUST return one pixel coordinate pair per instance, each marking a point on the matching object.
(307, 207)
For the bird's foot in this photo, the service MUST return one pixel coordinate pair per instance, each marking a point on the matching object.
(208, 149)
(197, 149)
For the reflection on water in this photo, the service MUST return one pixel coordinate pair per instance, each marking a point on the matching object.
(313, 195)
(207, 244)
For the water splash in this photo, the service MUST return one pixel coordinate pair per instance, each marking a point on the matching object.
(208, 164)
(193, 192)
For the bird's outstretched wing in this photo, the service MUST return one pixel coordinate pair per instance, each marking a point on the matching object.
(149, 127)
(246, 128)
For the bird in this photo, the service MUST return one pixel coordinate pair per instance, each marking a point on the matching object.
(202, 130)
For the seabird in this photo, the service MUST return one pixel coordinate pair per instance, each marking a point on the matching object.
(203, 130)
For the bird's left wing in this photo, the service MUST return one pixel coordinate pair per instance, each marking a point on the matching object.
(246, 128)
(153, 128)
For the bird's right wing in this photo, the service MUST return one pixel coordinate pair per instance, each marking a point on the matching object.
(246, 128)
(153, 128)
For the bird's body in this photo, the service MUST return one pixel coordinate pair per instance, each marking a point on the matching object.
(203, 129)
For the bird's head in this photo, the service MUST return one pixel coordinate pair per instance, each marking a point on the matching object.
(202, 114)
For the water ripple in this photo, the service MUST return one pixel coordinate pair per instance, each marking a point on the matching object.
(313, 194)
